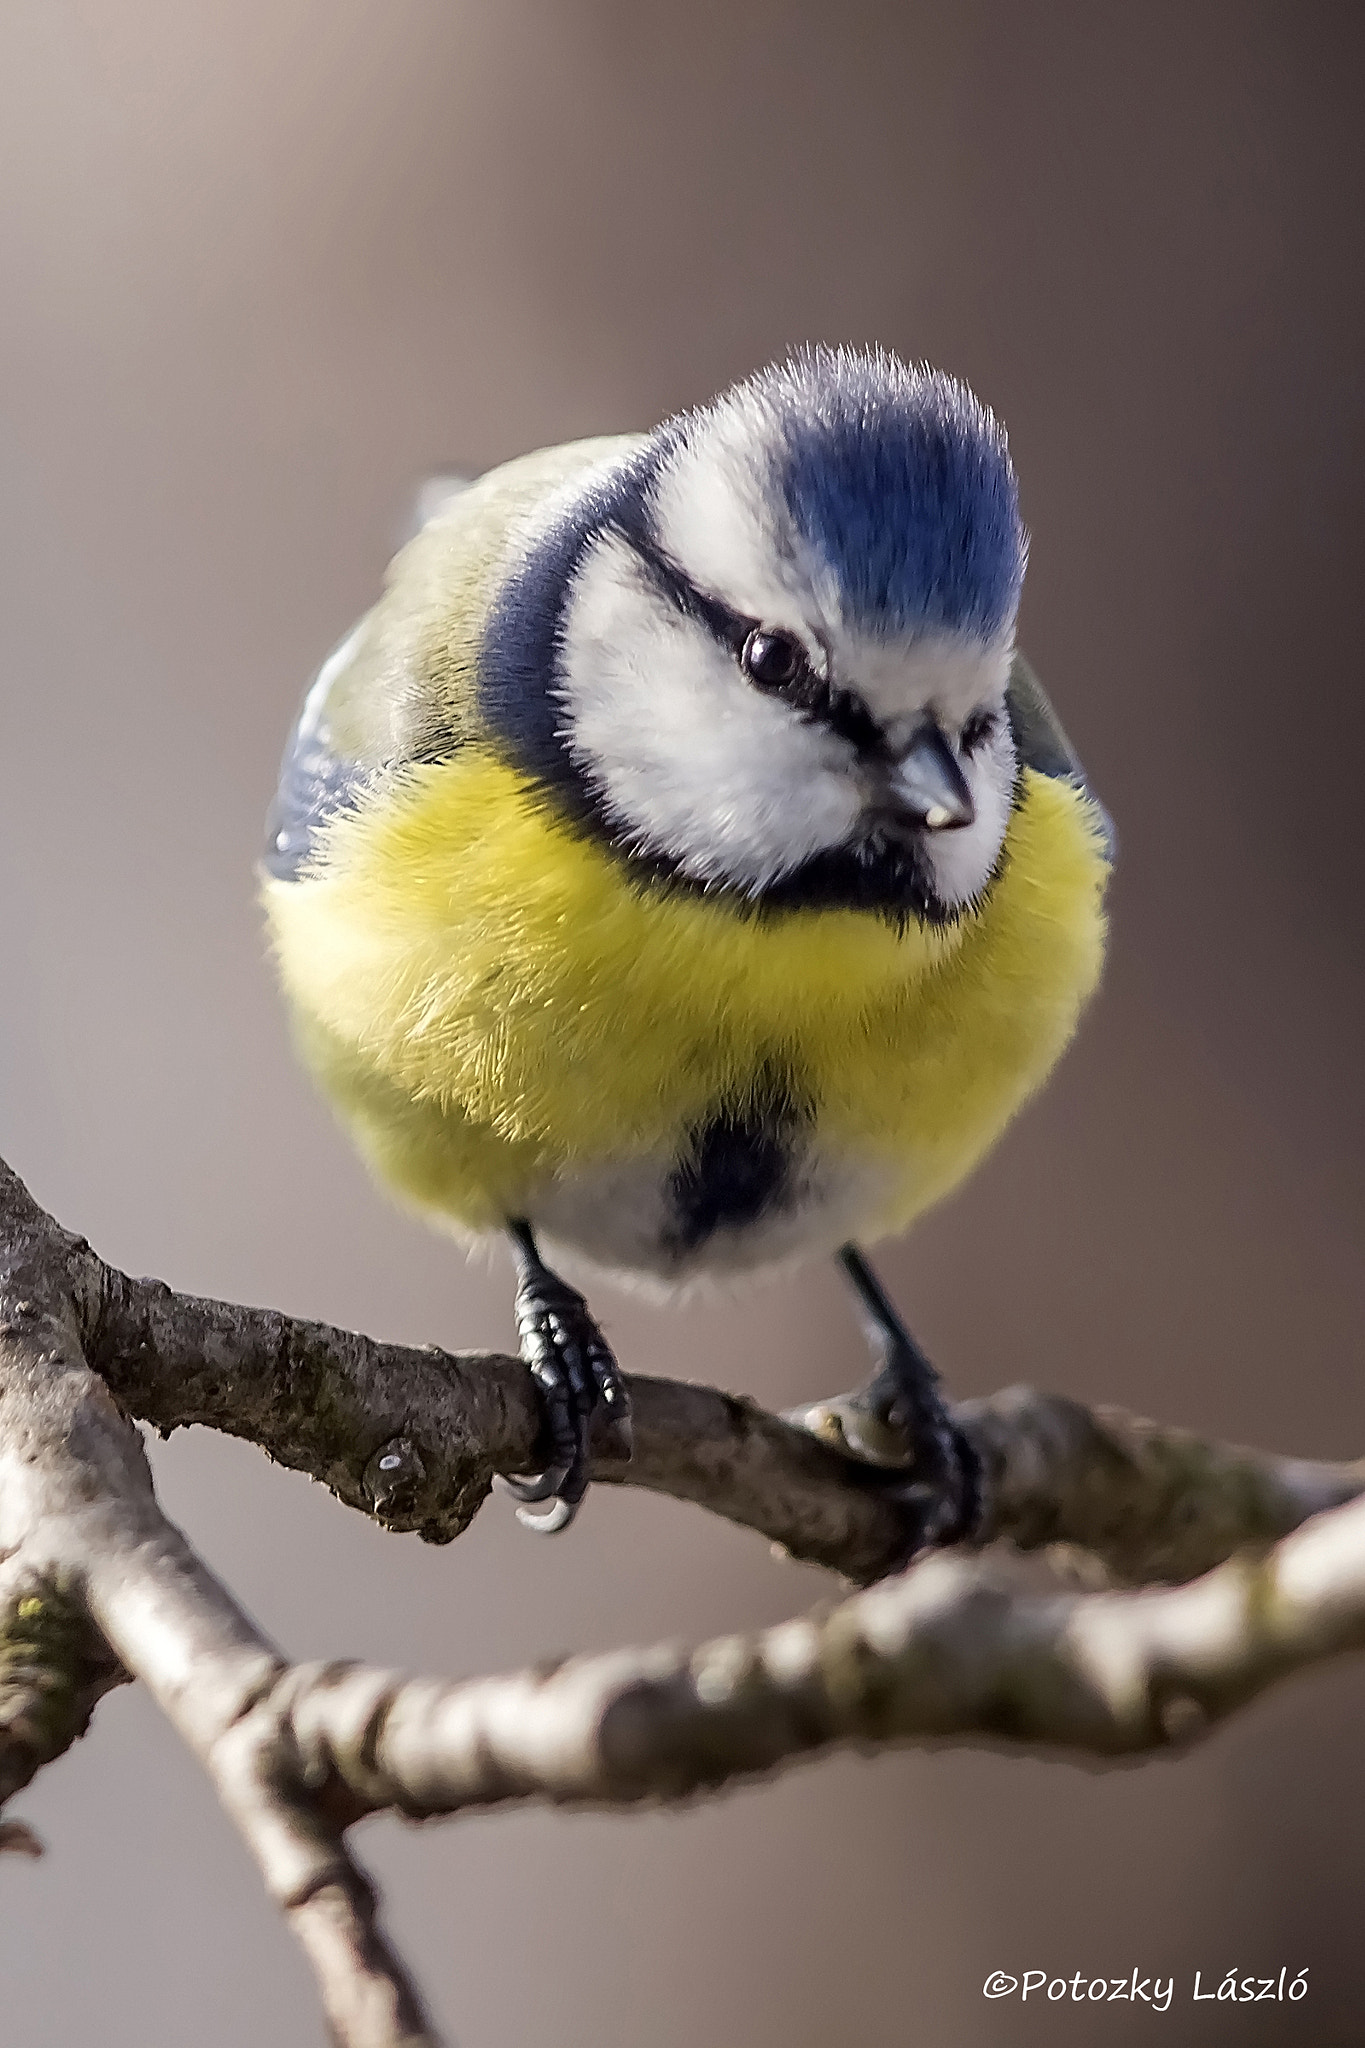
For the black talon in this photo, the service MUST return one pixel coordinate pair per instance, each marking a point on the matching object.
(573, 1368)
(900, 1421)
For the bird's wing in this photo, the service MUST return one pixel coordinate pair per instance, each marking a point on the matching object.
(383, 698)
(402, 688)
(322, 772)
(1040, 739)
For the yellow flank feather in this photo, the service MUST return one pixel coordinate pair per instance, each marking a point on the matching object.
(489, 996)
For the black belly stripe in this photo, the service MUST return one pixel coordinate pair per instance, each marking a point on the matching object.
(737, 1169)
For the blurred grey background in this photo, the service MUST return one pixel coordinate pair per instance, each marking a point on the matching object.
(263, 266)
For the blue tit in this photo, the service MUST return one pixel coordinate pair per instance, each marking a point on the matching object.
(679, 866)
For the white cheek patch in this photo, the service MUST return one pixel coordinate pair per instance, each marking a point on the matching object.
(687, 759)
(962, 861)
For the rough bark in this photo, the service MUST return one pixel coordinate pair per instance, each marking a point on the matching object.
(96, 1586)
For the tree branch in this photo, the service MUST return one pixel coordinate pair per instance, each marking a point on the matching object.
(53, 1672)
(949, 1650)
(1149, 1502)
(96, 1585)
(110, 1587)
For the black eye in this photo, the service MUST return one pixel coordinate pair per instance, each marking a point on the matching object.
(772, 660)
(977, 730)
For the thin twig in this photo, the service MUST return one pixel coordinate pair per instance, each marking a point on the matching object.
(96, 1585)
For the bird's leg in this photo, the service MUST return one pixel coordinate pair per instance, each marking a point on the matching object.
(900, 1420)
(572, 1366)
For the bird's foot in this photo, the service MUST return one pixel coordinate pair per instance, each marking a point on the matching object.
(901, 1425)
(575, 1373)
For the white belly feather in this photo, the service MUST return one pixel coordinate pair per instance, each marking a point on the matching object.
(626, 1218)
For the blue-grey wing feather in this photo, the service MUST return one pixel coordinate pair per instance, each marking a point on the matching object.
(370, 710)
(318, 777)
(1041, 742)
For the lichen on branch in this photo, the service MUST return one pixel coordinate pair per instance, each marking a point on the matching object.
(1249, 1565)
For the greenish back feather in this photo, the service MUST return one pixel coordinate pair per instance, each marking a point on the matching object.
(491, 997)
(409, 691)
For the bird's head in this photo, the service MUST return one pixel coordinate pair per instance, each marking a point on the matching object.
(782, 656)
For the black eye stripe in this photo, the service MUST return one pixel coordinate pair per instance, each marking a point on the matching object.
(977, 729)
(840, 710)
(731, 628)
(848, 716)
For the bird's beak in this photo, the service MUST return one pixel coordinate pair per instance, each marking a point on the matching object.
(927, 787)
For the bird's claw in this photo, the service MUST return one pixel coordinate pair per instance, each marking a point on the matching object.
(557, 1516)
(575, 1373)
(544, 1487)
(901, 1427)
(943, 1510)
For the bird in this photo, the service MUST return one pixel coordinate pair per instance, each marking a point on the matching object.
(680, 870)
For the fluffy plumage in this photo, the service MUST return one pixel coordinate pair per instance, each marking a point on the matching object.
(896, 480)
(579, 924)
(498, 1010)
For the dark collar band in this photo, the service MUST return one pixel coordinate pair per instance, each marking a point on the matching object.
(518, 671)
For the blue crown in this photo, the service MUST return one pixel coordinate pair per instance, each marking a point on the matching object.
(900, 479)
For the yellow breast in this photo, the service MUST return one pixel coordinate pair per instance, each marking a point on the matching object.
(490, 997)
